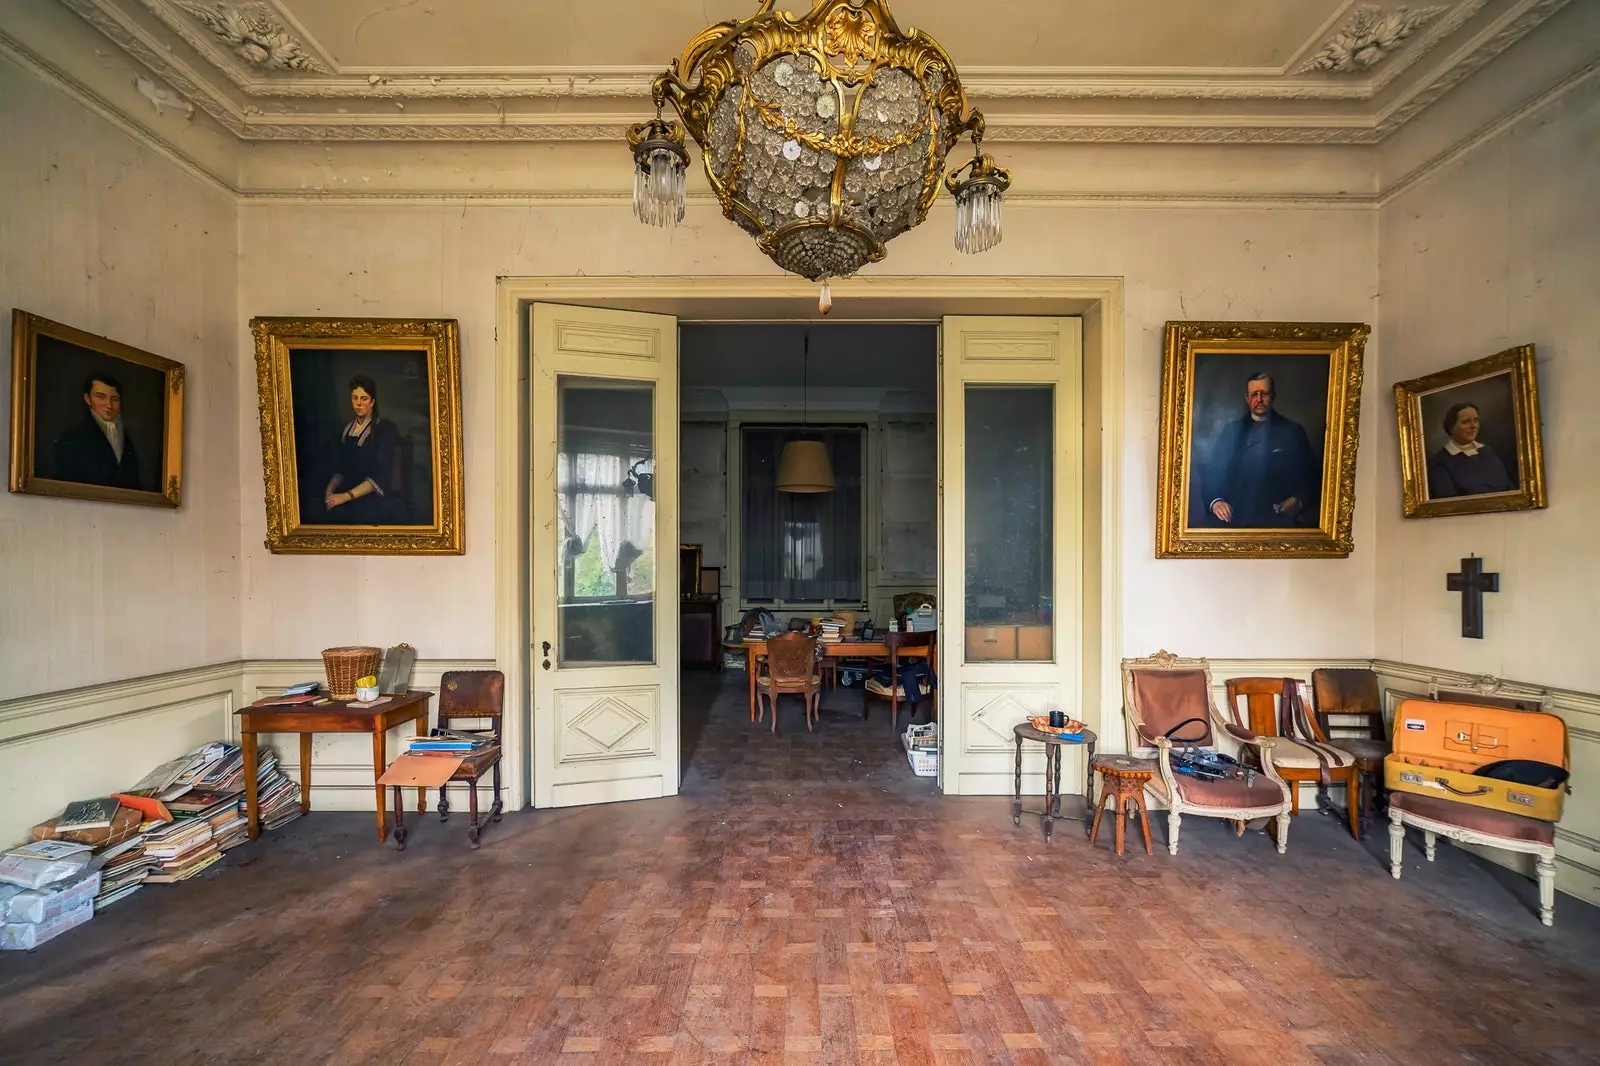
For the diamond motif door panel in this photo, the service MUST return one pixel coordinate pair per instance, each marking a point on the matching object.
(603, 445)
(1010, 430)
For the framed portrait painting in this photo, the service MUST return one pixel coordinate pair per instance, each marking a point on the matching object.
(360, 434)
(1469, 438)
(1258, 439)
(93, 418)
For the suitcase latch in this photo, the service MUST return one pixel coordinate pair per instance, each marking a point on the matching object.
(1410, 778)
(1519, 797)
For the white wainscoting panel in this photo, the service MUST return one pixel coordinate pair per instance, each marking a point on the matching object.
(81, 743)
(1578, 833)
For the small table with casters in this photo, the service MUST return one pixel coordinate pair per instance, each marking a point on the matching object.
(1123, 784)
(338, 716)
(1052, 772)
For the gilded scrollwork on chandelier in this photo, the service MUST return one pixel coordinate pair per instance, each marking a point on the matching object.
(823, 136)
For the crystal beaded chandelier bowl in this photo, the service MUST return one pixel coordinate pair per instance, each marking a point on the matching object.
(823, 136)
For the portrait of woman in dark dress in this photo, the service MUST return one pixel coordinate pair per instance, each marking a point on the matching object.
(365, 485)
(1465, 466)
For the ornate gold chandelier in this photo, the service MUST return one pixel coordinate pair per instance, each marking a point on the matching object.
(823, 136)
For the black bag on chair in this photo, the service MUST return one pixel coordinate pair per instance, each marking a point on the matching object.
(1203, 762)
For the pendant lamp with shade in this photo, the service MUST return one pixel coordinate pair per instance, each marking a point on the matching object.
(804, 465)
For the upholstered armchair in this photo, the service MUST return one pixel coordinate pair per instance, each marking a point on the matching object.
(1159, 694)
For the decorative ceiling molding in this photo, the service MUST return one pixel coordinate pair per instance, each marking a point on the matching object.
(252, 31)
(1367, 38)
(193, 46)
(160, 61)
(1469, 60)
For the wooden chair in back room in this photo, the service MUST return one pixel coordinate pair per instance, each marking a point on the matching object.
(894, 691)
(478, 695)
(790, 667)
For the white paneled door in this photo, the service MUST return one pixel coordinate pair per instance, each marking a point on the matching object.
(1010, 430)
(604, 569)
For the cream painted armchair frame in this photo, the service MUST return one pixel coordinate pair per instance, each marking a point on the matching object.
(1164, 786)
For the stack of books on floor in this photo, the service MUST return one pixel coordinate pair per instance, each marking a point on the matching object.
(278, 797)
(184, 849)
(123, 874)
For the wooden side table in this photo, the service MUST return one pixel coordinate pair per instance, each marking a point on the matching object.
(336, 717)
(1053, 746)
(1123, 779)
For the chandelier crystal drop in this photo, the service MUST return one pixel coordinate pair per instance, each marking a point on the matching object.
(660, 171)
(823, 136)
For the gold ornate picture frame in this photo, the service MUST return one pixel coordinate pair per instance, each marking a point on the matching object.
(361, 435)
(93, 418)
(1259, 426)
(1470, 437)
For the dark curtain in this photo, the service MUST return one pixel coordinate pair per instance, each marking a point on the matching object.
(799, 547)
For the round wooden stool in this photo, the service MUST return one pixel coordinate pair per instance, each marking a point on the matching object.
(1122, 783)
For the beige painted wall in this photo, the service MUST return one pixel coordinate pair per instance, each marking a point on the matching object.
(1501, 249)
(103, 234)
(427, 260)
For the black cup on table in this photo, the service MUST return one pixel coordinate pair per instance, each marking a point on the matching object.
(1058, 720)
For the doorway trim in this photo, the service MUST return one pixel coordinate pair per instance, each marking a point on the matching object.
(1098, 300)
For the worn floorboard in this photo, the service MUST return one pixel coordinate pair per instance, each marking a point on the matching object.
(807, 900)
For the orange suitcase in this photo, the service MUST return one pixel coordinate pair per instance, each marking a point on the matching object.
(1438, 746)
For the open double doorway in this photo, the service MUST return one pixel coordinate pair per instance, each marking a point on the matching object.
(1001, 400)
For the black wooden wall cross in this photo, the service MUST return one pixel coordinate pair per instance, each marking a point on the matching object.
(1472, 583)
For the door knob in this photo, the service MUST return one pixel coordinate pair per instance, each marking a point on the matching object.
(545, 644)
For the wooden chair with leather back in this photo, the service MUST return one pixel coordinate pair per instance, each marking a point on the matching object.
(477, 695)
(1351, 694)
(790, 666)
(895, 690)
(1302, 752)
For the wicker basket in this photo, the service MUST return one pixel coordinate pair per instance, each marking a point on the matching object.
(345, 665)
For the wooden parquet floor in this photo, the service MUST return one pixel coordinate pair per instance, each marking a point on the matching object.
(806, 900)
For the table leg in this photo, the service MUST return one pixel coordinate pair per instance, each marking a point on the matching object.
(422, 790)
(1060, 748)
(379, 739)
(750, 678)
(1016, 796)
(1051, 753)
(1144, 819)
(305, 773)
(252, 789)
(1094, 827)
(1122, 819)
(1088, 779)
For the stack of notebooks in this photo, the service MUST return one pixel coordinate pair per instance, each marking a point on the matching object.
(447, 742)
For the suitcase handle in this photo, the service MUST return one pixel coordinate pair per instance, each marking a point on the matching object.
(1479, 791)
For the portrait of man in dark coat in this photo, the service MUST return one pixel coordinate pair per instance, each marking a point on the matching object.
(1263, 472)
(98, 450)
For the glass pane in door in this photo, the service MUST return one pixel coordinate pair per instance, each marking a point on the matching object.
(1010, 477)
(606, 553)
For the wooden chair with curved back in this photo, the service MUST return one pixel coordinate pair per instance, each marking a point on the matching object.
(790, 666)
(1295, 756)
(1163, 694)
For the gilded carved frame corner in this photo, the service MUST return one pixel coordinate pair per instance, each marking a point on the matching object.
(275, 338)
(1520, 364)
(1344, 344)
